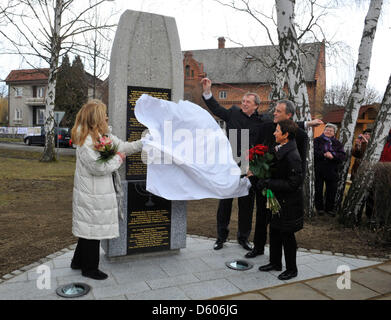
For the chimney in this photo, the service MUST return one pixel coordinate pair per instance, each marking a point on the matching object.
(221, 42)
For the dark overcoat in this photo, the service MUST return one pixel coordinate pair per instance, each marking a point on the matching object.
(266, 137)
(287, 186)
(236, 119)
(325, 167)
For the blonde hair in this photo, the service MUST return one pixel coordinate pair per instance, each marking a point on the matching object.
(90, 120)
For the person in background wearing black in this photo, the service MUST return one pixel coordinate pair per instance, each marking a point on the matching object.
(328, 155)
(285, 109)
(244, 118)
(286, 184)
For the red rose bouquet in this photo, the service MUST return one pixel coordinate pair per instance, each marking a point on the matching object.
(260, 161)
(106, 148)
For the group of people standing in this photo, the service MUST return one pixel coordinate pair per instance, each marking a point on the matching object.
(95, 207)
(288, 141)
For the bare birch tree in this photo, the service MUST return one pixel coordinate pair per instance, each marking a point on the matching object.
(288, 68)
(357, 93)
(290, 57)
(46, 29)
(359, 188)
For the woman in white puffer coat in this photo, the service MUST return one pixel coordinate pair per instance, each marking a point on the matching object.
(95, 209)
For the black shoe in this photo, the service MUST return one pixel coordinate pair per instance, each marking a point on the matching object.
(95, 274)
(75, 266)
(245, 244)
(253, 253)
(288, 274)
(270, 267)
(218, 244)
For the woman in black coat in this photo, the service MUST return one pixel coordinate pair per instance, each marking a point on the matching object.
(328, 155)
(286, 184)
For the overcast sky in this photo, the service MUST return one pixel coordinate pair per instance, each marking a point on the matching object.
(201, 22)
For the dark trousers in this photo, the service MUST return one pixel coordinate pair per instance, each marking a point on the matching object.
(245, 216)
(263, 217)
(331, 191)
(279, 240)
(87, 254)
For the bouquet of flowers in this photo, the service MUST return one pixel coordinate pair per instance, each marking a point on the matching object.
(106, 149)
(260, 161)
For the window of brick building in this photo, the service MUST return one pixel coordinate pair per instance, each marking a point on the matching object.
(187, 71)
(222, 94)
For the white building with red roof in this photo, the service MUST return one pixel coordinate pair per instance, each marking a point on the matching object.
(26, 96)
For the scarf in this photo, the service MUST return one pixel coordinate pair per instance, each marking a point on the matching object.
(328, 146)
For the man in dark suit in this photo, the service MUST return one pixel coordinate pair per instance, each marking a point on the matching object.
(243, 119)
(285, 109)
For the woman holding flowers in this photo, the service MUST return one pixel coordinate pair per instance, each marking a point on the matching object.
(95, 211)
(285, 184)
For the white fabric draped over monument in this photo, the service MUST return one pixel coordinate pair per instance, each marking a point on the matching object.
(189, 156)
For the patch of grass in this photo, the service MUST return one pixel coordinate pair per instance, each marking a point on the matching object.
(15, 164)
(11, 139)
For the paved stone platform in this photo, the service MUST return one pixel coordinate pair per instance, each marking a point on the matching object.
(198, 272)
(368, 283)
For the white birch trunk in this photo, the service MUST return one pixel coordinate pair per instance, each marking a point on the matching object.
(49, 151)
(360, 187)
(277, 87)
(289, 54)
(356, 97)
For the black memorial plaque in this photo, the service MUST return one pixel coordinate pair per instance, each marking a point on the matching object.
(135, 168)
(149, 220)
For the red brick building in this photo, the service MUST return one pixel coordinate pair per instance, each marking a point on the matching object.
(235, 71)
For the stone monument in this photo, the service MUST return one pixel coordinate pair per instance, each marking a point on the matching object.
(146, 58)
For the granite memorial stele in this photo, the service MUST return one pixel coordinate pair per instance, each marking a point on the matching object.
(146, 58)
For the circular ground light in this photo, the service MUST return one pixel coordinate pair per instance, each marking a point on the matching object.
(240, 265)
(73, 290)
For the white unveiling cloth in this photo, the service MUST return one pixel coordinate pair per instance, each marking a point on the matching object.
(189, 156)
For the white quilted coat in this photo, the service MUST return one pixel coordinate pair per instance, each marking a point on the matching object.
(95, 211)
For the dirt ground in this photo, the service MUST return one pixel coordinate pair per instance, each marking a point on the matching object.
(36, 217)
(319, 232)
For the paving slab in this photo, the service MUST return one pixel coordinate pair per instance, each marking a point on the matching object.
(297, 291)
(377, 280)
(386, 297)
(358, 263)
(385, 267)
(247, 296)
(250, 282)
(115, 290)
(209, 289)
(172, 293)
(172, 281)
(328, 286)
